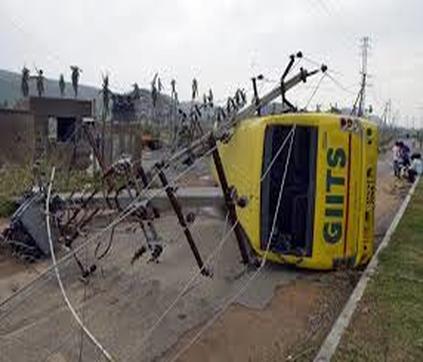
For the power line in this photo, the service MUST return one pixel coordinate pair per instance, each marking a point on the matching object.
(245, 286)
(316, 88)
(327, 10)
(119, 218)
(59, 280)
(340, 85)
(287, 138)
(132, 206)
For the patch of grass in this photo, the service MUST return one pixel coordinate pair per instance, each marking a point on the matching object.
(388, 324)
(16, 180)
(7, 207)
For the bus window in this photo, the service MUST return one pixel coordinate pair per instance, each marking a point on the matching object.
(294, 227)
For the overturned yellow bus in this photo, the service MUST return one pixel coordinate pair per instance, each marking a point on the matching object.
(326, 218)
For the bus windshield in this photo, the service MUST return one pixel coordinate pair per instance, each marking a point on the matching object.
(293, 232)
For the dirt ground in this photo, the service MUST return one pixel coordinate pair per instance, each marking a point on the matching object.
(284, 314)
(14, 274)
(300, 314)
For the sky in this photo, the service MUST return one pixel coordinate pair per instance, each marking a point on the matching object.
(223, 43)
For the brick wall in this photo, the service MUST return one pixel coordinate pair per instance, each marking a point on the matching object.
(17, 141)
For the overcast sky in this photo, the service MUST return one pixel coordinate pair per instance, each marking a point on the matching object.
(223, 43)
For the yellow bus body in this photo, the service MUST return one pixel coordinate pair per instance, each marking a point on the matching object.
(345, 161)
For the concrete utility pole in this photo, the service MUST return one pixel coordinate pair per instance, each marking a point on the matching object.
(365, 45)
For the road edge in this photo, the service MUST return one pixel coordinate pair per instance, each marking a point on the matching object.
(330, 344)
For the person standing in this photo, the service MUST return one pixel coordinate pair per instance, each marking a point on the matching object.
(408, 143)
(405, 154)
(416, 163)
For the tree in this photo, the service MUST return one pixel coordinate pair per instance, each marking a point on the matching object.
(136, 93)
(76, 71)
(106, 95)
(173, 88)
(159, 85)
(40, 82)
(154, 92)
(25, 81)
(194, 89)
(210, 97)
(62, 85)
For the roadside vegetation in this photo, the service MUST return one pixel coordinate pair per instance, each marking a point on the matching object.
(388, 325)
(15, 181)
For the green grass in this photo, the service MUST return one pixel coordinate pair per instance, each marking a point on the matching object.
(7, 207)
(388, 325)
(16, 180)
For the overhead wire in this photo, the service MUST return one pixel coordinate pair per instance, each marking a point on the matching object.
(114, 222)
(331, 75)
(224, 229)
(215, 253)
(290, 137)
(340, 85)
(59, 279)
(327, 10)
(29, 286)
(187, 286)
(315, 90)
(123, 215)
(245, 286)
(329, 13)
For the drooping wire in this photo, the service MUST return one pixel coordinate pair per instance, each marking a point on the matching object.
(59, 280)
(340, 85)
(123, 215)
(81, 343)
(66, 338)
(186, 287)
(315, 90)
(276, 155)
(245, 286)
(289, 136)
(326, 9)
